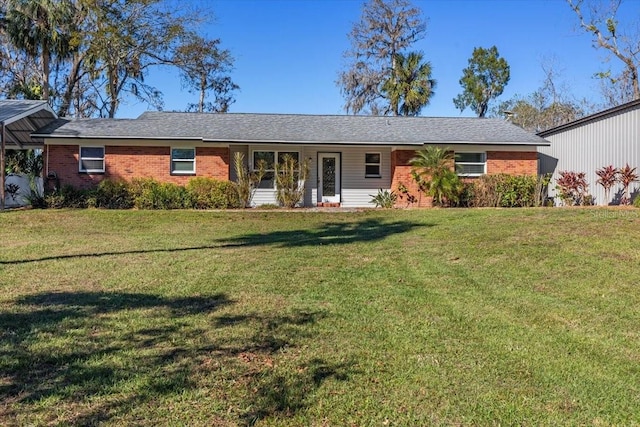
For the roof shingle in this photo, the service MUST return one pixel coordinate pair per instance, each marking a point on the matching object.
(297, 128)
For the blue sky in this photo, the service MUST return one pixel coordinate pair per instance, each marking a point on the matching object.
(288, 53)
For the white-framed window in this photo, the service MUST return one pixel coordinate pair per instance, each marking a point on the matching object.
(91, 159)
(270, 158)
(471, 164)
(183, 161)
(372, 165)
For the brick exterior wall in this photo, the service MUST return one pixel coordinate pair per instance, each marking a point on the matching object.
(509, 162)
(512, 162)
(127, 162)
(401, 174)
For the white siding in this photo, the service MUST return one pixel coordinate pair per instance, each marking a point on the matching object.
(356, 189)
(267, 196)
(613, 140)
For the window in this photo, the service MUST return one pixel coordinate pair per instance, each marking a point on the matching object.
(270, 158)
(91, 159)
(471, 164)
(183, 161)
(372, 165)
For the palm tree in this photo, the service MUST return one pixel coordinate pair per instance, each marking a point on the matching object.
(41, 29)
(433, 171)
(410, 87)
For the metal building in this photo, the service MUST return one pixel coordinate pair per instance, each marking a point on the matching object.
(610, 137)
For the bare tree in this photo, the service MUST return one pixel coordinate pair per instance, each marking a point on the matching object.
(602, 23)
(204, 67)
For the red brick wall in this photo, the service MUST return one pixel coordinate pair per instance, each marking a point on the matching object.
(134, 162)
(509, 162)
(512, 162)
(401, 174)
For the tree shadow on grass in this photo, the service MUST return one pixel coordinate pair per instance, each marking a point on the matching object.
(282, 395)
(332, 233)
(100, 356)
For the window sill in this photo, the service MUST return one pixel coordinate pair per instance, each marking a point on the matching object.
(373, 176)
(91, 172)
(183, 174)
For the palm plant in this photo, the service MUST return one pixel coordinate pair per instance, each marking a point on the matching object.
(41, 28)
(410, 87)
(433, 171)
(626, 176)
(607, 178)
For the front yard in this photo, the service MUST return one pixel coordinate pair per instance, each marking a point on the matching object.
(424, 317)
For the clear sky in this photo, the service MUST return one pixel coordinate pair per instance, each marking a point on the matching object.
(288, 53)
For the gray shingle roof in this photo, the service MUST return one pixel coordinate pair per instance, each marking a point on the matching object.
(298, 129)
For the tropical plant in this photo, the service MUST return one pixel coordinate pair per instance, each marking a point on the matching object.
(626, 176)
(41, 28)
(573, 188)
(387, 28)
(247, 181)
(25, 162)
(12, 190)
(290, 177)
(607, 178)
(384, 199)
(432, 168)
(410, 87)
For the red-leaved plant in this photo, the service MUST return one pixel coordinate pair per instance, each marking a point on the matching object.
(572, 187)
(607, 177)
(626, 176)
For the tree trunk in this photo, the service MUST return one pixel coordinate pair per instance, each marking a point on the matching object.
(203, 85)
(45, 72)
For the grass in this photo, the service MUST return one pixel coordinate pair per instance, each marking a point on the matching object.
(425, 317)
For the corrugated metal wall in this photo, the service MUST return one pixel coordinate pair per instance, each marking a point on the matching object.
(613, 140)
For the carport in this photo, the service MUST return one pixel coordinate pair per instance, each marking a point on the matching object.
(18, 119)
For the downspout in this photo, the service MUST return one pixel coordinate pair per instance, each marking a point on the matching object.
(2, 166)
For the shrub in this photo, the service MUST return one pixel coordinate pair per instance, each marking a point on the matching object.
(384, 199)
(12, 190)
(246, 181)
(112, 194)
(209, 193)
(626, 176)
(636, 202)
(507, 191)
(607, 178)
(572, 188)
(290, 177)
(517, 191)
(151, 194)
(67, 197)
(484, 192)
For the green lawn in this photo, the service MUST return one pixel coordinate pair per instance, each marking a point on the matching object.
(402, 318)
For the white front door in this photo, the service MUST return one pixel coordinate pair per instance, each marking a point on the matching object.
(329, 177)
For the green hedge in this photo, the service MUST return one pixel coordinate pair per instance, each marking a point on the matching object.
(502, 190)
(147, 193)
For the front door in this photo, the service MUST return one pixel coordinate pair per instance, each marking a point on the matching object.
(329, 177)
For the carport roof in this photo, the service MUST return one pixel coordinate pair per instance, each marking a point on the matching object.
(23, 117)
